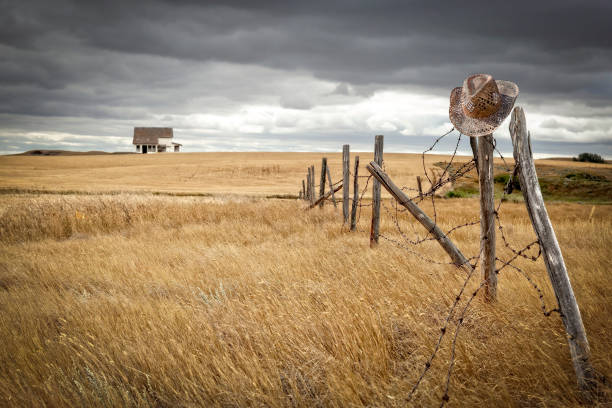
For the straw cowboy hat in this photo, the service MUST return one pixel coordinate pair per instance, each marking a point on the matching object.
(481, 105)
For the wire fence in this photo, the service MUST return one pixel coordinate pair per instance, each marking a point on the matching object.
(451, 172)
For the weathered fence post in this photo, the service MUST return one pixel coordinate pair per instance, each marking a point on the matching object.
(378, 159)
(322, 182)
(445, 242)
(345, 182)
(355, 195)
(420, 186)
(307, 198)
(551, 252)
(331, 186)
(312, 184)
(474, 146)
(487, 216)
(303, 190)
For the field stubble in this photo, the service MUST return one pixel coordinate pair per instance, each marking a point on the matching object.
(139, 300)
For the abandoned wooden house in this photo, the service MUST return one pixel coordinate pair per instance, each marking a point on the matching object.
(155, 140)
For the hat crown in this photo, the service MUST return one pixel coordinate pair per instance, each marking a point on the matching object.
(481, 97)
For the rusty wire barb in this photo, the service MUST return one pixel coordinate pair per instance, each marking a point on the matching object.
(451, 172)
(449, 175)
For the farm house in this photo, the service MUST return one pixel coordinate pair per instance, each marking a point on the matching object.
(155, 140)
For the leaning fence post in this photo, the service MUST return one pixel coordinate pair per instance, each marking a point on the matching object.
(331, 186)
(487, 216)
(445, 242)
(322, 182)
(551, 252)
(355, 195)
(345, 182)
(378, 159)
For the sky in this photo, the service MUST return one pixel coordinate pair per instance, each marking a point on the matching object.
(298, 75)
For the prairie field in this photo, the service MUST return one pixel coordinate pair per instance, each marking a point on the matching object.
(183, 280)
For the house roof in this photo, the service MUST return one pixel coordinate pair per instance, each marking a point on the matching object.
(151, 135)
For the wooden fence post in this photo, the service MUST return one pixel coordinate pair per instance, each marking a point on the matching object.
(420, 186)
(445, 242)
(345, 182)
(378, 159)
(312, 184)
(551, 252)
(309, 186)
(303, 190)
(474, 146)
(331, 186)
(307, 198)
(487, 216)
(322, 180)
(355, 195)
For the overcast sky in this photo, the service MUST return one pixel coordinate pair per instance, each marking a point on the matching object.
(297, 75)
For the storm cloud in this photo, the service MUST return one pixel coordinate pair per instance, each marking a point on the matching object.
(284, 75)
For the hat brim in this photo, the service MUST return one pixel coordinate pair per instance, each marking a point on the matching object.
(477, 127)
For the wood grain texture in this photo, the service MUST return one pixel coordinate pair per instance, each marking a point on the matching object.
(487, 216)
(449, 247)
(331, 186)
(474, 146)
(355, 195)
(378, 159)
(322, 180)
(345, 182)
(551, 252)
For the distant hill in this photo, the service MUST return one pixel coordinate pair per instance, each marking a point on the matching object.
(65, 153)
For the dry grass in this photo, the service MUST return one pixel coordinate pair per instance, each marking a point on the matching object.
(256, 174)
(228, 300)
(132, 300)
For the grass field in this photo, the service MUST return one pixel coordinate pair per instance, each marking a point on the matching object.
(233, 299)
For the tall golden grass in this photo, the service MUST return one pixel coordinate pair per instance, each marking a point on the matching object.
(140, 300)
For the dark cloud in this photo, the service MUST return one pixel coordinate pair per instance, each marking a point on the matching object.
(141, 60)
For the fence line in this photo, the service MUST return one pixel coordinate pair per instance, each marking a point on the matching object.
(490, 264)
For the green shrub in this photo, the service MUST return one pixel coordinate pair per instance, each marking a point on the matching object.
(589, 157)
(584, 176)
(457, 194)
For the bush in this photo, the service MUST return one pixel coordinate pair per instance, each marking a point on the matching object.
(584, 176)
(589, 157)
(456, 194)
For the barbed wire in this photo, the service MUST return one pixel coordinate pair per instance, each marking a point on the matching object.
(450, 172)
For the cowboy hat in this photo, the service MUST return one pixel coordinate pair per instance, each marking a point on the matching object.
(481, 105)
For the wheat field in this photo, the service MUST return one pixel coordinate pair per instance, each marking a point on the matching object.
(236, 300)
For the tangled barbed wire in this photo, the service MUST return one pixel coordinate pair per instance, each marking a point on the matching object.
(451, 172)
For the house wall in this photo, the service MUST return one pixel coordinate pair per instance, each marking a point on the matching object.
(150, 148)
(165, 141)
